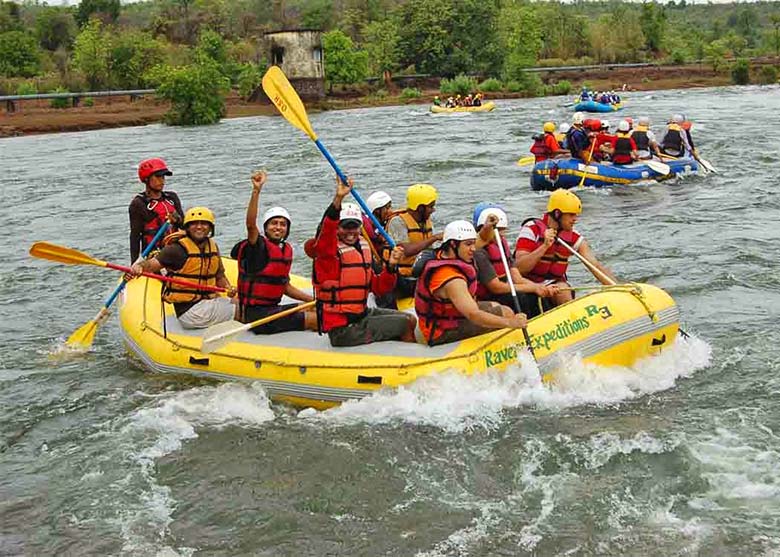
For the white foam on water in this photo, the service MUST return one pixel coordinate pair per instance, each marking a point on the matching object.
(456, 402)
(688, 533)
(602, 447)
(159, 430)
(740, 472)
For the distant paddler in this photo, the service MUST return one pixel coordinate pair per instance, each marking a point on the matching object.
(152, 207)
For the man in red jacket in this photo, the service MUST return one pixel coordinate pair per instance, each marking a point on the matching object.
(344, 275)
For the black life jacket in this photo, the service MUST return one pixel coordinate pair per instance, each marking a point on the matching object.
(622, 154)
(641, 140)
(672, 143)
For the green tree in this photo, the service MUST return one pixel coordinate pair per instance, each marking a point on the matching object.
(773, 36)
(380, 41)
(105, 10)
(196, 92)
(92, 54)
(212, 46)
(715, 53)
(133, 53)
(520, 32)
(19, 54)
(10, 17)
(343, 62)
(653, 20)
(55, 27)
(740, 72)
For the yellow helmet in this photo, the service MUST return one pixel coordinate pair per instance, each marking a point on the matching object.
(420, 194)
(199, 214)
(564, 201)
(549, 127)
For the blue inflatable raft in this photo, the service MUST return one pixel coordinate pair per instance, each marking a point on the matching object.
(593, 106)
(552, 174)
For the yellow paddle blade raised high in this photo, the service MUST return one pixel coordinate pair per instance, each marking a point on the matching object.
(278, 88)
(61, 254)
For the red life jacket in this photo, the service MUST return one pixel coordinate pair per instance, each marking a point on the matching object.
(349, 293)
(160, 208)
(435, 314)
(495, 259)
(266, 287)
(540, 149)
(555, 261)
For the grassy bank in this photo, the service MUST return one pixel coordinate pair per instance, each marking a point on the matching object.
(35, 117)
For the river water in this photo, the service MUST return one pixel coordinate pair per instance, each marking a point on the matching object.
(678, 456)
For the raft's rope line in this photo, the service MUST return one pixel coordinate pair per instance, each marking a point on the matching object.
(631, 288)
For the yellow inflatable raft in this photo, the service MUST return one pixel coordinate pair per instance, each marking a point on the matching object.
(614, 326)
(484, 107)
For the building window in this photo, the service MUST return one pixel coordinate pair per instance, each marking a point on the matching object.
(277, 55)
(316, 53)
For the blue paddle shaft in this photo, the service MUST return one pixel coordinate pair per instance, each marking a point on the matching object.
(144, 253)
(355, 194)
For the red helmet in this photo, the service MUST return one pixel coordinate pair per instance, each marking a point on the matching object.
(152, 166)
(630, 121)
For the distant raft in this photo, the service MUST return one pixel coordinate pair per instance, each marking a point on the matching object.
(552, 174)
(484, 107)
(593, 106)
(614, 326)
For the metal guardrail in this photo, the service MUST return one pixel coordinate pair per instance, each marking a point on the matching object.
(10, 100)
(590, 67)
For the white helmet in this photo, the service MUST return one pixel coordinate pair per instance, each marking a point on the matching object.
(350, 211)
(503, 222)
(459, 230)
(274, 212)
(644, 121)
(563, 128)
(623, 126)
(678, 119)
(377, 199)
(605, 124)
(579, 117)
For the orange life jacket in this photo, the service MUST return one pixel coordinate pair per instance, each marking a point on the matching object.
(349, 293)
(417, 233)
(435, 315)
(266, 287)
(201, 266)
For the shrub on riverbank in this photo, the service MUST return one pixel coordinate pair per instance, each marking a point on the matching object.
(460, 85)
(196, 92)
(740, 72)
(490, 85)
(59, 103)
(767, 75)
(411, 93)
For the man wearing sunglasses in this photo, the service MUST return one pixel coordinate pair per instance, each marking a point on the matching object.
(344, 275)
(152, 207)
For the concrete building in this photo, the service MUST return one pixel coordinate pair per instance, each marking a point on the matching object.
(298, 52)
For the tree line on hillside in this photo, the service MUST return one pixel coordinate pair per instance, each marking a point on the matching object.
(178, 44)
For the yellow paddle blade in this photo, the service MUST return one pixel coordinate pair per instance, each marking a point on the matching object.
(82, 338)
(221, 334)
(282, 94)
(60, 254)
(526, 160)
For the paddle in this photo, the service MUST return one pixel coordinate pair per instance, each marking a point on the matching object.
(83, 336)
(289, 104)
(526, 160)
(512, 289)
(705, 163)
(598, 272)
(657, 166)
(221, 334)
(70, 256)
(590, 158)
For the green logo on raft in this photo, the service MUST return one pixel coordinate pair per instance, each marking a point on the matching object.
(562, 330)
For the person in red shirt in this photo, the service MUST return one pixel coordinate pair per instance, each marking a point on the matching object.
(546, 146)
(604, 141)
(540, 258)
(345, 274)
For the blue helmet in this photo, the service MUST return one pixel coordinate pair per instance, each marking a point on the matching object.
(481, 207)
